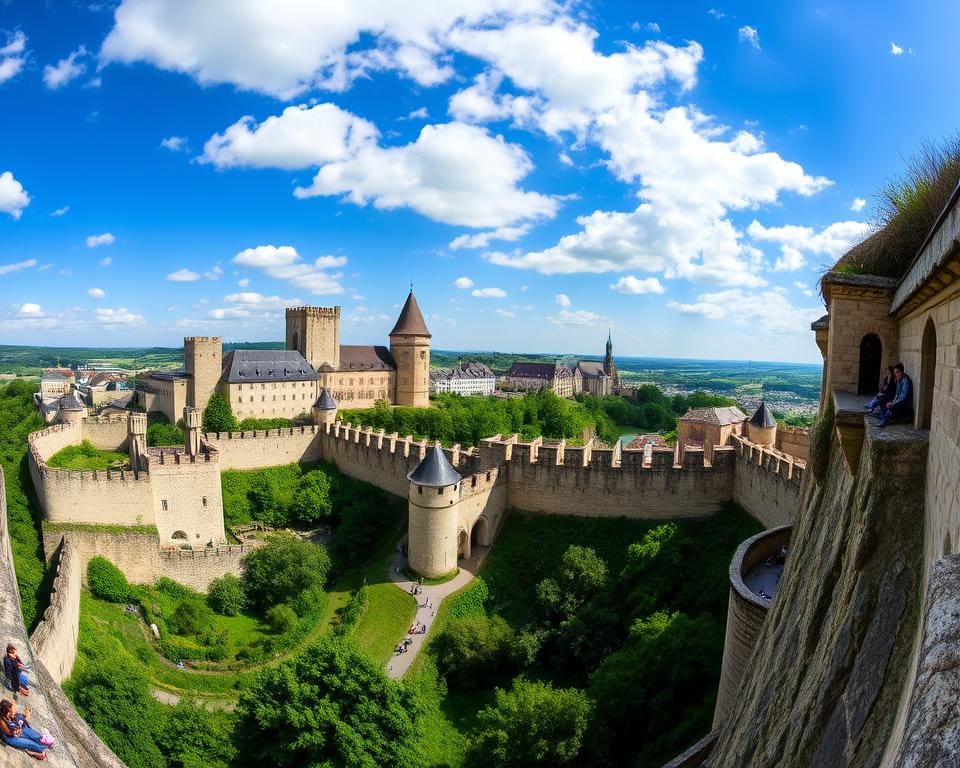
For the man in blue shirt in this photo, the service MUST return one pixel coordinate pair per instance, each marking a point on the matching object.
(902, 404)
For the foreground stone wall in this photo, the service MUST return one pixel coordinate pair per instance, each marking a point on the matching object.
(109, 433)
(55, 638)
(767, 484)
(794, 441)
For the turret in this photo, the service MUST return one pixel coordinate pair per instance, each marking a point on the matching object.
(410, 348)
(137, 439)
(324, 411)
(433, 496)
(192, 418)
(762, 427)
(71, 410)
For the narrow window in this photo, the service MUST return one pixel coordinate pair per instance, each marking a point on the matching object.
(163, 503)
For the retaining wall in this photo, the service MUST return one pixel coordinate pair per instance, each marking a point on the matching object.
(55, 638)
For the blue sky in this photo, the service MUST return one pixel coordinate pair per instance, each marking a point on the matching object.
(681, 172)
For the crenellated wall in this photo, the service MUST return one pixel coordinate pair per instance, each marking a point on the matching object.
(794, 441)
(55, 638)
(108, 433)
(767, 483)
(264, 448)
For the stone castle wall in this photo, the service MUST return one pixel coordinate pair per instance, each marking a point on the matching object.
(264, 448)
(108, 433)
(55, 638)
(767, 483)
(794, 441)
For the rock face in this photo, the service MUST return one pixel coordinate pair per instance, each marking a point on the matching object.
(827, 675)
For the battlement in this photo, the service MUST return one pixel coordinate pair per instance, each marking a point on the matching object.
(178, 456)
(202, 340)
(313, 311)
(770, 459)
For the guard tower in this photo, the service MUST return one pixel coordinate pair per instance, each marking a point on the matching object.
(762, 427)
(191, 430)
(314, 332)
(410, 348)
(203, 362)
(324, 411)
(433, 496)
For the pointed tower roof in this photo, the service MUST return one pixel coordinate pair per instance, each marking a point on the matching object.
(435, 471)
(326, 402)
(70, 402)
(762, 417)
(410, 322)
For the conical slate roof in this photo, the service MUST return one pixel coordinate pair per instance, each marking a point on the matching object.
(410, 322)
(70, 402)
(762, 417)
(326, 402)
(435, 470)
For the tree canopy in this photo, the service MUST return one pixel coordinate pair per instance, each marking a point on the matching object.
(284, 570)
(218, 415)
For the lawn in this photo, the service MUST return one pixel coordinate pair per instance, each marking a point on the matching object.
(85, 456)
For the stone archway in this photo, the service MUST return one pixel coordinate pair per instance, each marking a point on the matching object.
(179, 536)
(871, 361)
(463, 544)
(928, 375)
(480, 533)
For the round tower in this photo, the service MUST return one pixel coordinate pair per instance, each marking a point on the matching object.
(762, 427)
(410, 348)
(71, 410)
(433, 496)
(324, 411)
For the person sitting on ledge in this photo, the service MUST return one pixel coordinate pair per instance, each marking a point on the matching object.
(888, 390)
(13, 669)
(16, 731)
(902, 404)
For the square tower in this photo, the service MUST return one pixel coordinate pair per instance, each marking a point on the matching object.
(314, 332)
(203, 362)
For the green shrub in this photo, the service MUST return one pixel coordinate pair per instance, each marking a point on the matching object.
(282, 571)
(821, 438)
(252, 425)
(471, 651)
(191, 617)
(164, 434)
(107, 581)
(218, 415)
(86, 457)
(225, 595)
(281, 618)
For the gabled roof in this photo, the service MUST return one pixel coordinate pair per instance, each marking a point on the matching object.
(545, 371)
(435, 471)
(410, 322)
(591, 368)
(722, 416)
(260, 365)
(464, 370)
(359, 357)
(326, 402)
(762, 417)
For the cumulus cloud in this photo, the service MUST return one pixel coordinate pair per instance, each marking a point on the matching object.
(183, 276)
(12, 56)
(284, 263)
(463, 283)
(285, 49)
(60, 211)
(115, 318)
(749, 35)
(244, 282)
(6, 269)
(96, 293)
(634, 285)
(252, 305)
(300, 137)
(64, 71)
(767, 312)
(896, 50)
(857, 204)
(483, 239)
(214, 273)
(805, 289)
(562, 299)
(832, 241)
(31, 310)
(580, 318)
(489, 293)
(95, 241)
(13, 197)
(453, 173)
(174, 143)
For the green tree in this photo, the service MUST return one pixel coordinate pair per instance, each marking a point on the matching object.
(531, 724)
(281, 618)
(107, 581)
(470, 651)
(283, 571)
(218, 415)
(312, 501)
(581, 577)
(330, 706)
(226, 596)
(193, 737)
(191, 617)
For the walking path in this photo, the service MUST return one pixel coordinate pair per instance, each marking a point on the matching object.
(428, 602)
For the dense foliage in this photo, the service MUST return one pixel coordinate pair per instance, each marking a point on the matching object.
(161, 432)
(329, 706)
(472, 651)
(285, 571)
(107, 581)
(218, 415)
(18, 418)
(226, 595)
(86, 456)
(251, 424)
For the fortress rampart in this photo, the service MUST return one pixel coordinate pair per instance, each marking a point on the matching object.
(767, 483)
(55, 638)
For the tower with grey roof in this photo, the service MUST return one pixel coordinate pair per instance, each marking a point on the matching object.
(410, 348)
(433, 496)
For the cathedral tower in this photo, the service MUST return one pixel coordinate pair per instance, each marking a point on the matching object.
(410, 348)
(203, 362)
(610, 367)
(314, 332)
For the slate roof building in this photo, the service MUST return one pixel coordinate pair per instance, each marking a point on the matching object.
(466, 378)
(536, 376)
(708, 427)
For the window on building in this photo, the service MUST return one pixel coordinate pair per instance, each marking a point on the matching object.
(204, 501)
(163, 504)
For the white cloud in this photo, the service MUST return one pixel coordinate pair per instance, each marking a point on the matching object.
(106, 261)
(300, 137)
(252, 305)
(767, 312)
(13, 197)
(566, 159)
(749, 35)
(214, 273)
(174, 143)
(115, 318)
(31, 310)
(483, 239)
(832, 241)
(60, 211)
(504, 313)
(581, 318)
(70, 68)
(463, 283)
(284, 263)
(453, 173)
(562, 299)
(12, 56)
(95, 241)
(96, 293)
(896, 50)
(6, 269)
(488, 293)
(716, 14)
(419, 114)
(286, 48)
(244, 283)
(858, 204)
(803, 288)
(183, 276)
(652, 26)
(634, 285)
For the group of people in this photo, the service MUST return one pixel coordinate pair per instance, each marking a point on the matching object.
(894, 401)
(15, 728)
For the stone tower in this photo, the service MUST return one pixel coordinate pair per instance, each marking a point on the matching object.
(610, 367)
(192, 418)
(433, 496)
(203, 362)
(410, 347)
(324, 411)
(71, 411)
(762, 427)
(314, 332)
(137, 440)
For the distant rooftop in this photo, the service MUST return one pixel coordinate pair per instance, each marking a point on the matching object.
(720, 415)
(261, 365)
